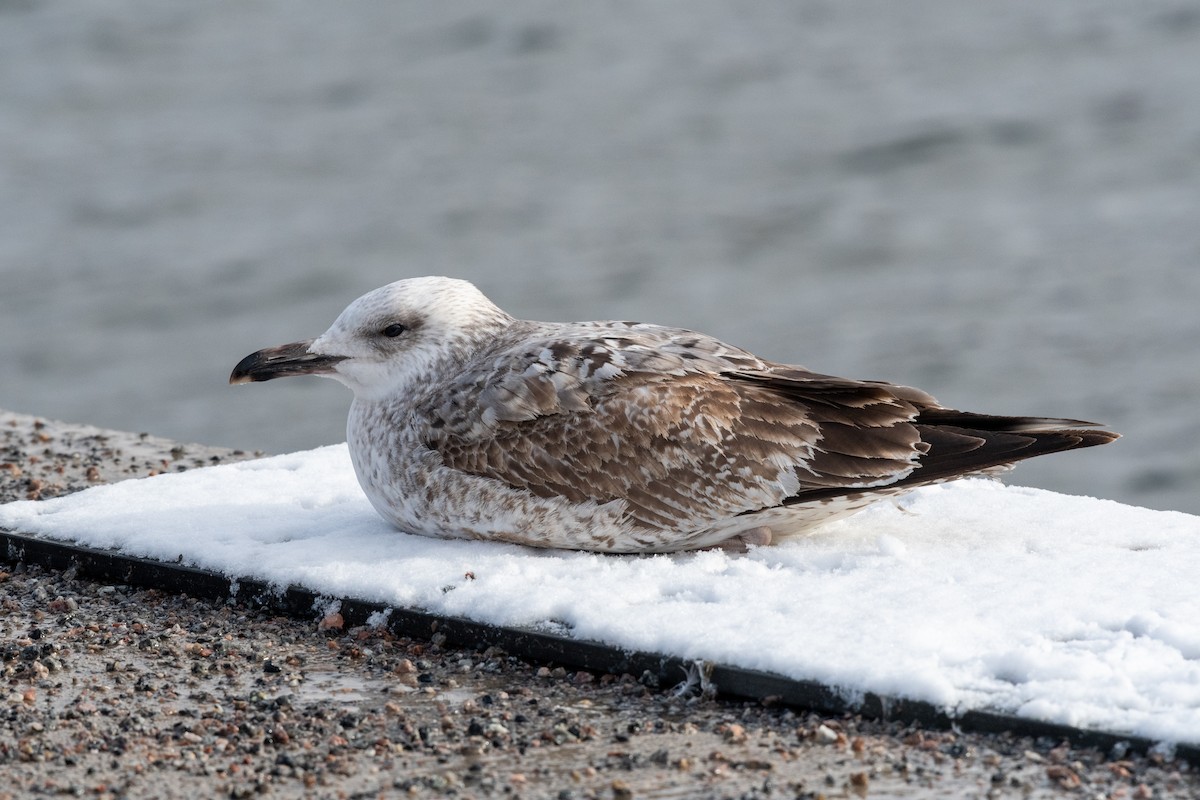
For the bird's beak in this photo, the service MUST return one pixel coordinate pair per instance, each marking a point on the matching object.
(282, 362)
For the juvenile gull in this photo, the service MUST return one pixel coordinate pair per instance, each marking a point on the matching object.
(621, 437)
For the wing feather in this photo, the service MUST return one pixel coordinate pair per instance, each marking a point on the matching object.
(685, 431)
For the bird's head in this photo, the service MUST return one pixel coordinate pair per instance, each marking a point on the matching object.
(386, 339)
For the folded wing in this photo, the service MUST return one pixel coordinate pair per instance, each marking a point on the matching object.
(686, 431)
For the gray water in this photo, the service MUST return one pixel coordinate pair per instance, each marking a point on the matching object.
(999, 203)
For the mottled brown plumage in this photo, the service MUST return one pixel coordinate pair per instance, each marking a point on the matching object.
(620, 436)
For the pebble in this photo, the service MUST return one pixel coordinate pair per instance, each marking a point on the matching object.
(825, 735)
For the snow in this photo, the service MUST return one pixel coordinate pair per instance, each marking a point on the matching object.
(971, 595)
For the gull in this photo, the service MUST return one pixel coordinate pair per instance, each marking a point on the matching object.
(622, 437)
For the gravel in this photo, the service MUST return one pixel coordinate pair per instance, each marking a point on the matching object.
(110, 691)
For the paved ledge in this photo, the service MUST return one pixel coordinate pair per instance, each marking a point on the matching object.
(658, 670)
(132, 678)
(41, 458)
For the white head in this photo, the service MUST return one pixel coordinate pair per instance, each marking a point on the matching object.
(387, 339)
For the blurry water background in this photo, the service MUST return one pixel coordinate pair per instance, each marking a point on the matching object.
(999, 203)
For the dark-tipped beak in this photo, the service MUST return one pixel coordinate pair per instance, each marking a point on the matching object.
(282, 362)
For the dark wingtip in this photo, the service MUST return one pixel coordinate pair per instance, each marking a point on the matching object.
(1093, 438)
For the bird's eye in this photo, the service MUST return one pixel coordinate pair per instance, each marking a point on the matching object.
(393, 330)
